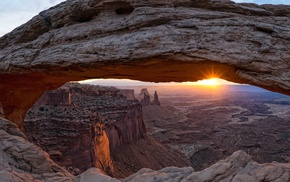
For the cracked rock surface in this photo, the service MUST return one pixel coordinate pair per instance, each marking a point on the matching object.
(237, 168)
(21, 160)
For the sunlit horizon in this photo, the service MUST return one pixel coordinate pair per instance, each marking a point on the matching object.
(127, 82)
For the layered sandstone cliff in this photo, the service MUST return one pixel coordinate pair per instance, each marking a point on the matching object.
(22, 161)
(98, 127)
(79, 124)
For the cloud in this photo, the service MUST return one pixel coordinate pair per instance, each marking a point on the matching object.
(16, 12)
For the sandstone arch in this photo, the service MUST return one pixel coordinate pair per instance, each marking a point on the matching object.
(178, 40)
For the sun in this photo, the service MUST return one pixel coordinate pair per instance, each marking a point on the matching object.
(208, 82)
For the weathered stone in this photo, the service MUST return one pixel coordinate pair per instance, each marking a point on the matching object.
(100, 124)
(145, 101)
(22, 161)
(180, 40)
(93, 175)
(237, 167)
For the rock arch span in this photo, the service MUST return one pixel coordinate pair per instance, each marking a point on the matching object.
(178, 40)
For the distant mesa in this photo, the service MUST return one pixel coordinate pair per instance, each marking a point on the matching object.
(129, 93)
(144, 98)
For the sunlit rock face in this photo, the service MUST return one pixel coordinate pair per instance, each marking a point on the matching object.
(164, 40)
(101, 128)
(78, 125)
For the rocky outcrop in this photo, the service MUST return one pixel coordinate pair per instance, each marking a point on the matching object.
(123, 117)
(21, 160)
(93, 175)
(80, 135)
(144, 91)
(237, 167)
(164, 40)
(145, 101)
(72, 137)
(145, 153)
(145, 98)
(100, 128)
(155, 100)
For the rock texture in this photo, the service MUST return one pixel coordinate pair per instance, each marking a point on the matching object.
(179, 40)
(145, 98)
(237, 168)
(156, 100)
(21, 160)
(100, 127)
(79, 124)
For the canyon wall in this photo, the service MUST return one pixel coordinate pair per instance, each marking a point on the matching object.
(22, 161)
(101, 128)
(79, 124)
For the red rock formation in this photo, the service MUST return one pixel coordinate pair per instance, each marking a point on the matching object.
(68, 134)
(145, 101)
(144, 98)
(155, 100)
(23, 161)
(100, 124)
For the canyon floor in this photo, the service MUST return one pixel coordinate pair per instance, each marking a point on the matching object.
(210, 125)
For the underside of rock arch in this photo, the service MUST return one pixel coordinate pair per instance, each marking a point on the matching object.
(157, 41)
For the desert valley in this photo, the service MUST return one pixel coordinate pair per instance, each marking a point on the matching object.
(122, 130)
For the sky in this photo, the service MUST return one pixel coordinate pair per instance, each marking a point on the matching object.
(122, 82)
(14, 13)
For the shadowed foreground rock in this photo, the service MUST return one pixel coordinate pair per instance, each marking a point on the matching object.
(21, 160)
(157, 41)
(237, 168)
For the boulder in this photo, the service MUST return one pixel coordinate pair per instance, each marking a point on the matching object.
(23, 161)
